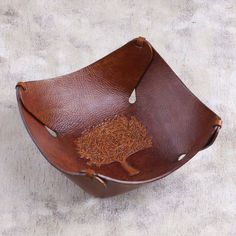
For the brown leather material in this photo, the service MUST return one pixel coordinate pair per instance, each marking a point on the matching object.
(91, 91)
(99, 139)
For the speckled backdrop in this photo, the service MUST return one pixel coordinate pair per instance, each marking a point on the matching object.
(43, 39)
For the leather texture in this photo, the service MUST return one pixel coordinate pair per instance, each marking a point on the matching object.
(177, 122)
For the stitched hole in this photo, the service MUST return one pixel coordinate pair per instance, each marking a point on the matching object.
(53, 133)
(132, 98)
(181, 157)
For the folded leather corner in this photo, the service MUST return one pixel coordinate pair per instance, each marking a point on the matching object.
(22, 85)
(216, 129)
(218, 122)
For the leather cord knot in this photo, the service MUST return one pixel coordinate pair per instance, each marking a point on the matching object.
(140, 41)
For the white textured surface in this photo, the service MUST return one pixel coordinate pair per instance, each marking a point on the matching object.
(42, 39)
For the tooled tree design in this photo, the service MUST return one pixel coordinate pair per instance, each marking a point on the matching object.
(114, 140)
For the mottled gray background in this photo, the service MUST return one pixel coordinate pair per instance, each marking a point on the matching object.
(43, 39)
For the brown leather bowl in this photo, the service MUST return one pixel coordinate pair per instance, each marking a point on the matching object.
(86, 126)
